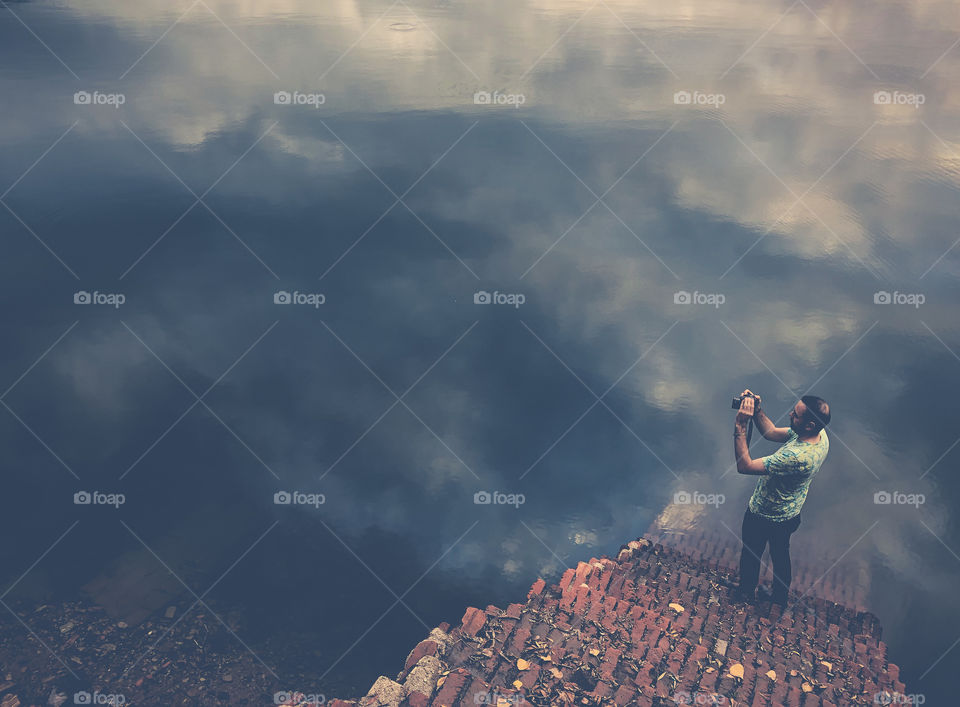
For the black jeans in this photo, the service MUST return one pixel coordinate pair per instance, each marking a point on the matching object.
(756, 533)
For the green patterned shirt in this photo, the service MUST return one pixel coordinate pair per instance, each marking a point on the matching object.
(781, 492)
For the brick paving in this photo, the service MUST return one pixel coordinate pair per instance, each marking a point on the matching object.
(655, 626)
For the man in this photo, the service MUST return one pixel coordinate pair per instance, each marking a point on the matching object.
(773, 512)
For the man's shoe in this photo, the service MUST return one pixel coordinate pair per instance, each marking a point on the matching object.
(767, 595)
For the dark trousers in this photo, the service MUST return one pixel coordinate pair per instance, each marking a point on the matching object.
(756, 533)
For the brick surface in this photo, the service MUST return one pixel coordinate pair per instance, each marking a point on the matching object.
(473, 621)
(606, 634)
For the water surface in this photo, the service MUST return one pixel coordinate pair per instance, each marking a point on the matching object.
(787, 196)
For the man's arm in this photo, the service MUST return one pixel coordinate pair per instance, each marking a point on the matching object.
(745, 465)
(765, 424)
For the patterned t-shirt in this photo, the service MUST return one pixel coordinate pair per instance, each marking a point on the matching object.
(780, 493)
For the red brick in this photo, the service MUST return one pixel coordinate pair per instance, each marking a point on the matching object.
(473, 620)
(452, 687)
(417, 699)
(601, 690)
(624, 695)
(520, 636)
(529, 677)
(425, 647)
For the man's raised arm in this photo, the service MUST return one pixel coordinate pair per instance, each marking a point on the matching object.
(765, 424)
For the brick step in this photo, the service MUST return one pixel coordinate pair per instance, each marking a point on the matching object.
(655, 626)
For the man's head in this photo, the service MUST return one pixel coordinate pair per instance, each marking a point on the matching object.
(810, 415)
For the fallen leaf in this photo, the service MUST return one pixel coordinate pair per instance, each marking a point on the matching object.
(440, 681)
(806, 687)
(736, 670)
(556, 673)
(517, 684)
(676, 607)
(772, 674)
(594, 651)
(523, 664)
(546, 657)
(827, 663)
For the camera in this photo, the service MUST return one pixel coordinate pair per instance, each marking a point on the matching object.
(736, 401)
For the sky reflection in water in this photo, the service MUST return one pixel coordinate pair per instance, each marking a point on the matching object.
(797, 199)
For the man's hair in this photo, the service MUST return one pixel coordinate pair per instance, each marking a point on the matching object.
(818, 412)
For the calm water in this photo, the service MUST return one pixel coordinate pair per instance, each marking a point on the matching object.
(145, 154)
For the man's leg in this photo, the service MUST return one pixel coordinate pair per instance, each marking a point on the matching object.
(780, 556)
(754, 541)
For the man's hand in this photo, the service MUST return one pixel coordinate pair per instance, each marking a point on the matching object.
(746, 410)
(745, 465)
(749, 392)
